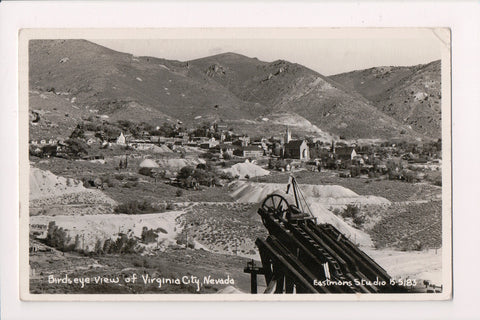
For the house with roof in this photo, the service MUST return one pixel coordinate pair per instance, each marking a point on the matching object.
(345, 153)
(249, 152)
(296, 149)
(210, 143)
(227, 149)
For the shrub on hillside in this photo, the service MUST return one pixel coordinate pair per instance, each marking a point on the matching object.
(107, 180)
(137, 207)
(123, 244)
(227, 176)
(149, 235)
(189, 177)
(77, 147)
(146, 171)
(359, 221)
(58, 238)
(351, 211)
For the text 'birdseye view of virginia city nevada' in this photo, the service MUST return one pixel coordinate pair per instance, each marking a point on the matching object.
(184, 166)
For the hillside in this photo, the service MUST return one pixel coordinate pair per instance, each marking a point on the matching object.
(72, 80)
(411, 95)
(283, 86)
(100, 81)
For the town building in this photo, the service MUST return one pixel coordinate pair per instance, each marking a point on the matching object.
(296, 149)
(209, 144)
(249, 152)
(121, 139)
(345, 153)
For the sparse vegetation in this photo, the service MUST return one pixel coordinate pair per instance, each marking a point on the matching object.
(410, 227)
(58, 238)
(149, 235)
(123, 244)
(92, 115)
(190, 177)
(137, 207)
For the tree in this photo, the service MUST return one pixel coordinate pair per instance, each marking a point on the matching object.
(351, 211)
(78, 132)
(185, 172)
(167, 130)
(77, 147)
(149, 235)
(58, 238)
(98, 247)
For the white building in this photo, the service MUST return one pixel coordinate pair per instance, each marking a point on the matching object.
(121, 139)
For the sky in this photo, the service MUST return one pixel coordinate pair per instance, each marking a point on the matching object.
(327, 56)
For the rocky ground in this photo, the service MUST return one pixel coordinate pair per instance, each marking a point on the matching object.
(214, 230)
(174, 263)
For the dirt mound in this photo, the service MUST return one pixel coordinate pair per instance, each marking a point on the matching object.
(246, 169)
(161, 149)
(325, 216)
(148, 163)
(51, 194)
(93, 228)
(420, 265)
(44, 184)
(319, 198)
(333, 195)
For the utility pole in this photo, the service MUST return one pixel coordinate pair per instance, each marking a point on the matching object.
(186, 231)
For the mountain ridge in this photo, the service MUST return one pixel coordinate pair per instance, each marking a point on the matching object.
(92, 80)
(411, 95)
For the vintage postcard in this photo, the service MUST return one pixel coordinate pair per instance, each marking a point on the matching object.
(235, 164)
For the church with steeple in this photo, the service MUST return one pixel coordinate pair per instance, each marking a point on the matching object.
(288, 136)
(295, 149)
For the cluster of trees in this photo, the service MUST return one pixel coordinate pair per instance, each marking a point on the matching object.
(110, 131)
(352, 212)
(203, 174)
(137, 207)
(211, 131)
(151, 235)
(73, 147)
(103, 131)
(123, 244)
(58, 238)
(276, 163)
(167, 129)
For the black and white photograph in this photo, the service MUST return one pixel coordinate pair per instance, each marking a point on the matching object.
(235, 164)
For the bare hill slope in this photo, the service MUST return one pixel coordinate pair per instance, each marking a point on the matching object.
(242, 91)
(283, 86)
(411, 95)
(119, 85)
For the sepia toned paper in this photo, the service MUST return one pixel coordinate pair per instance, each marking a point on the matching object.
(147, 153)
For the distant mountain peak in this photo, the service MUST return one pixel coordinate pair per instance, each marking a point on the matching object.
(396, 91)
(95, 82)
